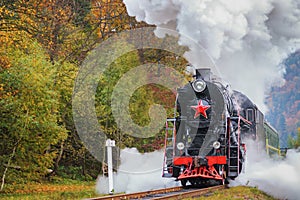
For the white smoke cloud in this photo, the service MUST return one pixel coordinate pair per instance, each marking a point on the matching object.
(247, 39)
(141, 172)
(137, 172)
(279, 178)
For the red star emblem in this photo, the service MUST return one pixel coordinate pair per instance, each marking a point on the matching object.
(200, 109)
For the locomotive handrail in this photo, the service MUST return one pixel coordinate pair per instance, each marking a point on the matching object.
(169, 138)
(241, 118)
(271, 147)
(171, 119)
(245, 120)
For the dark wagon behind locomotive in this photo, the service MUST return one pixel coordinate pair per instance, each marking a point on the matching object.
(205, 140)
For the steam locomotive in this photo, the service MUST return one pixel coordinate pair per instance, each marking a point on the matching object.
(204, 142)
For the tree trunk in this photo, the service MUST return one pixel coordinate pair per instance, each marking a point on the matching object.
(83, 165)
(8, 164)
(56, 164)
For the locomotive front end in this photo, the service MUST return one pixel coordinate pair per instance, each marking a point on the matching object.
(197, 137)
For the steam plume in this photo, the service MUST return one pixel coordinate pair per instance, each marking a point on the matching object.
(277, 177)
(247, 39)
(137, 172)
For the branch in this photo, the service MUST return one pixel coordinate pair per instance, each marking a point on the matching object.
(12, 166)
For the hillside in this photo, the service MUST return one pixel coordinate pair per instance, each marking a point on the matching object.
(284, 101)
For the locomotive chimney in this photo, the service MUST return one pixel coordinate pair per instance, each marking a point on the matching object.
(203, 73)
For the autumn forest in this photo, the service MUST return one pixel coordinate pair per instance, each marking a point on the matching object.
(43, 43)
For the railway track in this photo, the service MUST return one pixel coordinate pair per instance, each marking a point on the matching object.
(166, 193)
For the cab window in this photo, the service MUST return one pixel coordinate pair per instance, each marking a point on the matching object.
(250, 115)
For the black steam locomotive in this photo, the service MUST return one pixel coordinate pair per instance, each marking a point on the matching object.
(205, 140)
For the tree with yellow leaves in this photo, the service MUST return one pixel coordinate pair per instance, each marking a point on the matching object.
(29, 113)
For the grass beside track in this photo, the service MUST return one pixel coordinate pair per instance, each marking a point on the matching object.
(239, 192)
(70, 189)
(60, 190)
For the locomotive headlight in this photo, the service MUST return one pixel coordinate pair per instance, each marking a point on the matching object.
(216, 144)
(199, 85)
(180, 146)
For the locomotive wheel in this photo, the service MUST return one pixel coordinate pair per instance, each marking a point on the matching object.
(193, 182)
(183, 182)
(222, 172)
(223, 181)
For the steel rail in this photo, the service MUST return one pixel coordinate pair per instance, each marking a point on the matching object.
(192, 193)
(176, 195)
(137, 195)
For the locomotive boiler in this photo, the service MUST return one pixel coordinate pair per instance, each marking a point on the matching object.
(204, 141)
